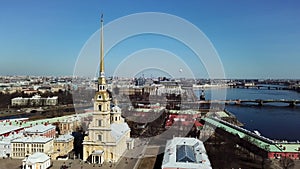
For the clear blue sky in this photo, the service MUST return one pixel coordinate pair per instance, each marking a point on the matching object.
(254, 39)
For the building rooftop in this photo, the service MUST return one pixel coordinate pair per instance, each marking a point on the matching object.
(17, 98)
(43, 121)
(36, 158)
(221, 114)
(146, 110)
(119, 130)
(34, 97)
(192, 112)
(8, 139)
(8, 128)
(64, 138)
(287, 147)
(40, 128)
(37, 139)
(259, 141)
(185, 153)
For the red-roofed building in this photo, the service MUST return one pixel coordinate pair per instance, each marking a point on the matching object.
(6, 130)
(198, 124)
(182, 120)
(41, 130)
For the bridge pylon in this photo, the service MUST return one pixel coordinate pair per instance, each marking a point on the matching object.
(292, 104)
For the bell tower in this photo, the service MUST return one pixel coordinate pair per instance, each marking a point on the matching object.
(101, 100)
(108, 134)
(100, 125)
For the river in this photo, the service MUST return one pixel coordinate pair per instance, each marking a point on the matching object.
(275, 121)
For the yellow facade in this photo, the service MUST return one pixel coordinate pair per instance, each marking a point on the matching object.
(63, 146)
(68, 126)
(27, 146)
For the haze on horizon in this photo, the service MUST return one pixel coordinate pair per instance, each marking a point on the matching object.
(254, 39)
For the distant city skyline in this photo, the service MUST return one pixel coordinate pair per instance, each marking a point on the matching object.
(254, 39)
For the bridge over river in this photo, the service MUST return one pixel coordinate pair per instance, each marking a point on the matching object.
(259, 102)
(264, 87)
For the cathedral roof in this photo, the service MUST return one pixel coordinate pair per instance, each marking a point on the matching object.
(119, 130)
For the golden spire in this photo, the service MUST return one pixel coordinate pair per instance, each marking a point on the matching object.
(101, 48)
(101, 79)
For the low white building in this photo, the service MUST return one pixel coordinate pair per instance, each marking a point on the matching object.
(35, 100)
(5, 144)
(185, 153)
(36, 160)
(166, 89)
(5, 149)
(21, 147)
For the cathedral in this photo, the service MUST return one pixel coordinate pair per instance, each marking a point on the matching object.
(108, 135)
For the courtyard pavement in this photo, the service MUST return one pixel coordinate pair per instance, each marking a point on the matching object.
(128, 161)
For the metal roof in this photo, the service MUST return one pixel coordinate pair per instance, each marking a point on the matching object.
(185, 153)
(118, 131)
(64, 138)
(43, 121)
(39, 128)
(37, 139)
(36, 158)
(8, 128)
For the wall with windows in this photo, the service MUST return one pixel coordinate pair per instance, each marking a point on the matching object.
(22, 149)
(63, 147)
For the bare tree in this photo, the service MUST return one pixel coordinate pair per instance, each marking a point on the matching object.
(286, 163)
